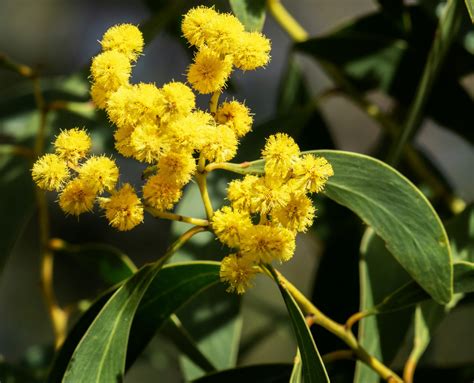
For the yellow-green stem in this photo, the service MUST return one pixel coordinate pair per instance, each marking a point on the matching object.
(337, 355)
(409, 369)
(286, 20)
(176, 217)
(337, 329)
(213, 102)
(354, 318)
(201, 180)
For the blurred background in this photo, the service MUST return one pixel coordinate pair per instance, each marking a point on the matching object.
(59, 38)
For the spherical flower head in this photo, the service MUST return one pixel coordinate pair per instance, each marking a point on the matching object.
(111, 69)
(230, 224)
(236, 116)
(133, 105)
(221, 144)
(122, 140)
(101, 172)
(50, 172)
(268, 243)
(188, 133)
(100, 95)
(239, 192)
(148, 143)
(312, 173)
(161, 193)
(124, 38)
(238, 272)
(175, 100)
(195, 24)
(297, 214)
(72, 144)
(209, 72)
(253, 51)
(178, 166)
(123, 209)
(77, 197)
(223, 33)
(280, 153)
(267, 196)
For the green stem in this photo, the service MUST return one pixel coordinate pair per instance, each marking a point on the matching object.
(176, 217)
(286, 20)
(21, 69)
(448, 27)
(213, 102)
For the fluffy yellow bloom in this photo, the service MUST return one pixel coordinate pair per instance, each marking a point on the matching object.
(122, 141)
(268, 243)
(229, 225)
(297, 214)
(161, 192)
(195, 24)
(178, 166)
(223, 33)
(239, 192)
(148, 143)
(312, 173)
(209, 72)
(133, 105)
(238, 272)
(124, 38)
(123, 209)
(221, 144)
(189, 133)
(111, 70)
(72, 144)
(100, 95)
(50, 172)
(77, 197)
(175, 100)
(267, 196)
(236, 116)
(280, 153)
(101, 172)
(253, 51)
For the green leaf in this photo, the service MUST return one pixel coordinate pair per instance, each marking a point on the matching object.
(16, 203)
(312, 364)
(470, 9)
(176, 284)
(250, 12)
(461, 235)
(396, 210)
(297, 372)
(262, 373)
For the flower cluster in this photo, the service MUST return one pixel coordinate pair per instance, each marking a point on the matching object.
(267, 212)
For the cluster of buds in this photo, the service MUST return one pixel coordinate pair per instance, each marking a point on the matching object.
(162, 126)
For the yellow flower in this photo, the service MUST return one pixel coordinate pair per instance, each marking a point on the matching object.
(77, 197)
(161, 192)
(72, 144)
(188, 133)
(50, 172)
(280, 153)
(133, 105)
(268, 243)
(221, 144)
(111, 70)
(229, 225)
(266, 196)
(238, 272)
(124, 38)
(297, 214)
(100, 95)
(312, 173)
(236, 116)
(123, 209)
(122, 141)
(101, 172)
(175, 100)
(223, 33)
(209, 72)
(195, 24)
(148, 143)
(239, 192)
(253, 51)
(178, 166)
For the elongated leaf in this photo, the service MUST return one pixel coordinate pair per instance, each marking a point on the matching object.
(297, 372)
(250, 12)
(396, 210)
(312, 364)
(470, 9)
(262, 373)
(72, 358)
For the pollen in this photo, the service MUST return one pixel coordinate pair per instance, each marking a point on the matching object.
(50, 172)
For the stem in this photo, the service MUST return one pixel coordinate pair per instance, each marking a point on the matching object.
(354, 318)
(409, 369)
(213, 102)
(17, 150)
(176, 217)
(337, 355)
(176, 245)
(448, 26)
(201, 180)
(229, 166)
(284, 18)
(337, 329)
(21, 69)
